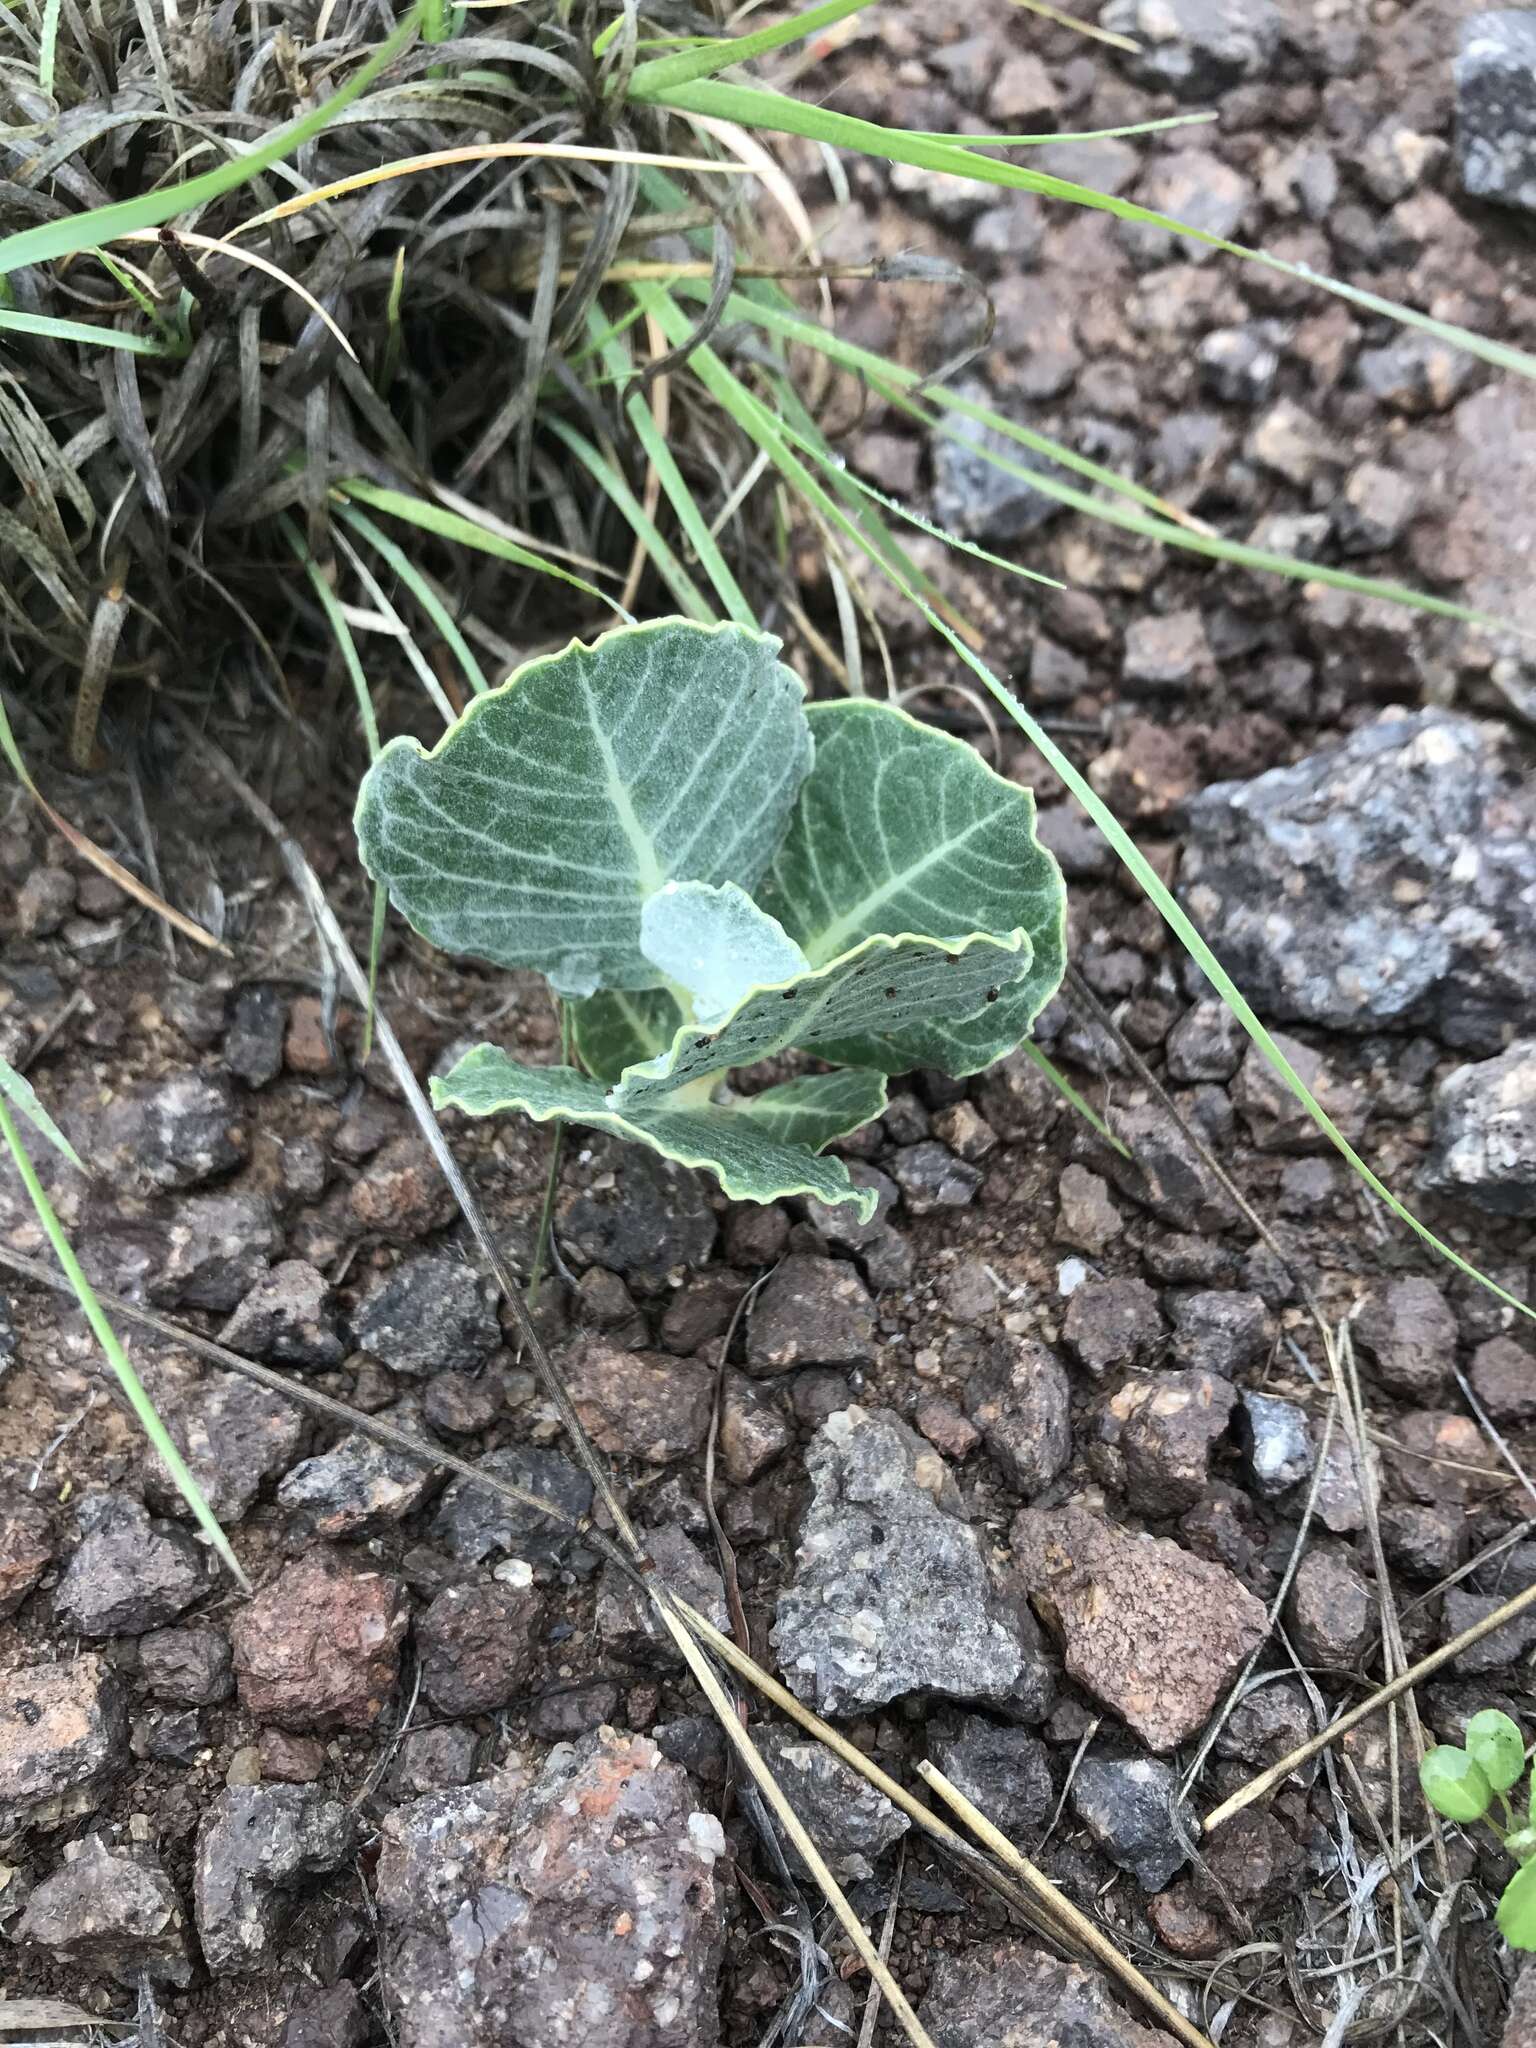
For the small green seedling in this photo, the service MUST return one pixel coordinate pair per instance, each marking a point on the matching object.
(714, 872)
(1464, 1783)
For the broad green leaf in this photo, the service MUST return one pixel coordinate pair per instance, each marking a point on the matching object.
(1453, 1784)
(716, 944)
(19, 1090)
(1495, 1745)
(1516, 1916)
(816, 1108)
(536, 828)
(902, 981)
(900, 828)
(622, 1027)
(737, 1144)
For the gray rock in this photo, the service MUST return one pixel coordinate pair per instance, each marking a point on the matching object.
(1207, 1043)
(234, 1436)
(811, 1311)
(932, 1178)
(1128, 1806)
(473, 1524)
(1196, 187)
(253, 1044)
(1416, 375)
(1424, 1542)
(1483, 1144)
(359, 1484)
(1374, 509)
(217, 1248)
(433, 1313)
(62, 1735)
(1276, 1118)
(1154, 1437)
(257, 1846)
(26, 1546)
(972, 496)
(577, 1907)
(430, 1758)
(1238, 366)
(188, 1666)
(1332, 1611)
(1503, 1376)
(287, 1319)
(1496, 107)
(332, 2018)
(1004, 1771)
(1410, 898)
(1021, 1401)
(1154, 1632)
(477, 1646)
(1221, 1330)
(1268, 1722)
(752, 1431)
(1251, 1862)
(892, 1592)
(128, 1573)
(110, 1914)
(169, 1134)
(1277, 1449)
(626, 1621)
(655, 1219)
(1408, 1332)
(1010, 1994)
(1112, 1322)
(850, 1821)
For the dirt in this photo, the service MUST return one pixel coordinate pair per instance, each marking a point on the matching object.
(1095, 343)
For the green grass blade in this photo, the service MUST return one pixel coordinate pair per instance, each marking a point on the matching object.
(752, 107)
(1189, 938)
(689, 517)
(23, 1096)
(666, 74)
(405, 638)
(50, 328)
(421, 589)
(617, 491)
(132, 1386)
(352, 662)
(455, 526)
(73, 232)
(756, 420)
(1079, 1102)
(896, 384)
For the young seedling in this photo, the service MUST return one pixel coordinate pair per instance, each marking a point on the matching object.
(1464, 1783)
(712, 873)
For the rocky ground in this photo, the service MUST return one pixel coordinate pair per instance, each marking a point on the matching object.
(1010, 1476)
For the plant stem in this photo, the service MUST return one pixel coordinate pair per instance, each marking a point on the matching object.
(552, 1183)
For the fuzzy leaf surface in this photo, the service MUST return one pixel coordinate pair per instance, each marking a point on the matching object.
(743, 1145)
(902, 829)
(891, 982)
(534, 831)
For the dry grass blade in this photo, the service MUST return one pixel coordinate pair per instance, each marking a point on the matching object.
(672, 1613)
(217, 247)
(489, 152)
(1416, 1674)
(98, 857)
(1098, 1945)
